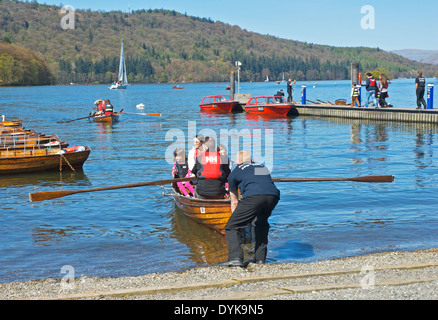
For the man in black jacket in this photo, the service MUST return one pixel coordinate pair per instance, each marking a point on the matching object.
(259, 198)
(420, 84)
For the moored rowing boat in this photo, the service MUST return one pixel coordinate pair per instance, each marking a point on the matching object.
(43, 160)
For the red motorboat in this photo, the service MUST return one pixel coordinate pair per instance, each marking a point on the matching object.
(222, 103)
(267, 105)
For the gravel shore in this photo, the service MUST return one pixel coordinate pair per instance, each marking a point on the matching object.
(397, 275)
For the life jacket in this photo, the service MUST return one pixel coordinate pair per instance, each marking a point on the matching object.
(211, 166)
(181, 169)
(372, 82)
(355, 91)
(109, 108)
(74, 149)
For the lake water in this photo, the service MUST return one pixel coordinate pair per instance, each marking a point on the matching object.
(129, 232)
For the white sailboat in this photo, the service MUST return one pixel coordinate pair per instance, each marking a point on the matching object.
(122, 81)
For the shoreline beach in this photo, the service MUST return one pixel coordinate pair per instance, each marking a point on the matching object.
(398, 275)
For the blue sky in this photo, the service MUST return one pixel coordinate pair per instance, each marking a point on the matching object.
(398, 24)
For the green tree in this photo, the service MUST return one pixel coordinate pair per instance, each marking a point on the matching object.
(6, 66)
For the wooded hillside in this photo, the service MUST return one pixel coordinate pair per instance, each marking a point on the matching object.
(166, 46)
(20, 66)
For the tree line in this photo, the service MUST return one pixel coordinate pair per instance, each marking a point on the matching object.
(166, 46)
(84, 70)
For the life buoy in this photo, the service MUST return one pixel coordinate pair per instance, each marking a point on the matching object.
(74, 149)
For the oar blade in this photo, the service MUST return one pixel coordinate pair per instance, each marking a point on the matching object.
(378, 179)
(47, 195)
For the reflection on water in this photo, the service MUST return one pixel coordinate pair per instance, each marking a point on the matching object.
(49, 178)
(205, 246)
(136, 231)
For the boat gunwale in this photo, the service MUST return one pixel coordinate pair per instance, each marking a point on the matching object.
(68, 154)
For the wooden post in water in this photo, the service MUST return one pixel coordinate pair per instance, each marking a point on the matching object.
(232, 83)
(355, 77)
(355, 69)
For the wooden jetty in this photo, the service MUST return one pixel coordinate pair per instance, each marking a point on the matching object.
(384, 114)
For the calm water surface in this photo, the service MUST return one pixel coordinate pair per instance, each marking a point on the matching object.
(130, 232)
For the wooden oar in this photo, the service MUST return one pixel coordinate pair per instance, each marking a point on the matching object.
(60, 121)
(356, 179)
(47, 195)
(143, 114)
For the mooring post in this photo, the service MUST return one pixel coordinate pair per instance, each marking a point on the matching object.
(430, 96)
(232, 83)
(303, 94)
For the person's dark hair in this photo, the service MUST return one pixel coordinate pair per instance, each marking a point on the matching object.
(210, 144)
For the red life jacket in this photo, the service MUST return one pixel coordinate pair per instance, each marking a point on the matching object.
(372, 82)
(211, 163)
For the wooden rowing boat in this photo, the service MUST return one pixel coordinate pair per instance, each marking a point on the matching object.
(107, 119)
(29, 140)
(42, 160)
(211, 213)
(24, 146)
(11, 124)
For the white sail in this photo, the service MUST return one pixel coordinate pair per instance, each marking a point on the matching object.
(122, 80)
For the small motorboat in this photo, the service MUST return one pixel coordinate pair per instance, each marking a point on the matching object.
(268, 105)
(221, 103)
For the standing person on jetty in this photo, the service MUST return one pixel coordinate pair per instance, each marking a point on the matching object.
(290, 85)
(371, 86)
(259, 198)
(355, 95)
(383, 91)
(420, 84)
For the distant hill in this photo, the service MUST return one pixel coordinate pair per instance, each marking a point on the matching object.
(21, 66)
(424, 56)
(166, 46)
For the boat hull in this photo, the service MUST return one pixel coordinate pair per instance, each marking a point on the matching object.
(277, 110)
(213, 214)
(43, 162)
(230, 106)
(114, 87)
(107, 119)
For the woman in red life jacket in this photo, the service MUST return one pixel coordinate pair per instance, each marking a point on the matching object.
(101, 106)
(181, 169)
(109, 110)
(212, 170)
